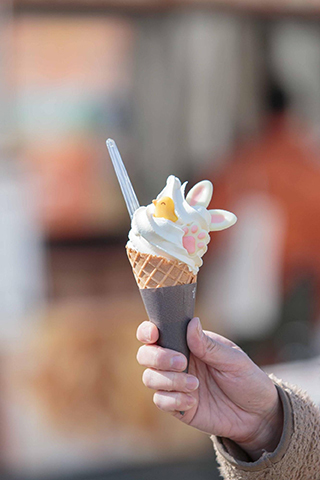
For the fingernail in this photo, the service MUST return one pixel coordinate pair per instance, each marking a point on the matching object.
(192, 383)
(178, 362)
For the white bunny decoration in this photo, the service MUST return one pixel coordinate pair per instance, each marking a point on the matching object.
(196, 237)
(177, 227)
(190, 214)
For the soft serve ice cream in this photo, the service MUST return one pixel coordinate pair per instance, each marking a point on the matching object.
(176, 227)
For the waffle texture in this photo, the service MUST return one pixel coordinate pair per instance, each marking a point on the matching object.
(151, 271)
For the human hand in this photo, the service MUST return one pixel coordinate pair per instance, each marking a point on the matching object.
(224, 393)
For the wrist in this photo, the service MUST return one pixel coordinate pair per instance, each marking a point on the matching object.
(267, 434)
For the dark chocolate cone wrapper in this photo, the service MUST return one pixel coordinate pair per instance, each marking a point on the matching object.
(171, 309)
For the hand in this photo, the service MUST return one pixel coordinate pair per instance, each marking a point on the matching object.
(223, 394)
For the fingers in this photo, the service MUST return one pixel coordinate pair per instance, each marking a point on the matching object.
(153, 356)
(212, 349)
(147, 332)
(164, 372)
(174, 401)
(169, 381)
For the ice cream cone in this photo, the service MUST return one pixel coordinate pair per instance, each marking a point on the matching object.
(151, 271)
(174, 230)
(168, 291)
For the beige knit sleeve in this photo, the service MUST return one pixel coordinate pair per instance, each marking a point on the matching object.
(297, 457)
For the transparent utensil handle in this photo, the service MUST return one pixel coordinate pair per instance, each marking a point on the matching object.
(127, 189)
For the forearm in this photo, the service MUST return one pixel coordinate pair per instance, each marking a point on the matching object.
(296, 456)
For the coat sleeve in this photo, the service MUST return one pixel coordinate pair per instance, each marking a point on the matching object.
(296, 457)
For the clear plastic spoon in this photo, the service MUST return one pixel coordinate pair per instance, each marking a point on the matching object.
(123, 178)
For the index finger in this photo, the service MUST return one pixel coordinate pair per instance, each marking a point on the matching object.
(147, 332)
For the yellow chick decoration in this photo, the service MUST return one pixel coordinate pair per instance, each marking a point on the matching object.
(164, 209)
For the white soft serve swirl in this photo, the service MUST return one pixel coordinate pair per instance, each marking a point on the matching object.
(162, 237)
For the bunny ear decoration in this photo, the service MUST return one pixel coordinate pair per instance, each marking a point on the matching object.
(200, 194)
(221, 219)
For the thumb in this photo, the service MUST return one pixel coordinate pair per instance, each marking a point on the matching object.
(213, 349)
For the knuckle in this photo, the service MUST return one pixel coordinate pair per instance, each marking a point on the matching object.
(211, 346)
(167, 382)
(141, 355)
(159, 358)
(164, 401)
(172, 382)
(178, 399)
(147, 378)
(157, 400)
(179, 382)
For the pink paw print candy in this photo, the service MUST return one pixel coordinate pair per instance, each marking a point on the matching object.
(195, 239)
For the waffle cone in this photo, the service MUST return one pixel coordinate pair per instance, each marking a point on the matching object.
(151, 271)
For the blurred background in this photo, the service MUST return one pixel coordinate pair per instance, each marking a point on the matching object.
(224, 90)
